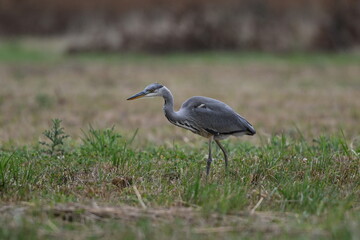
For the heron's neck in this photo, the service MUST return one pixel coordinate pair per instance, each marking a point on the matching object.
(170, 114)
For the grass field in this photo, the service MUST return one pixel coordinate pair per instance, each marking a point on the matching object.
(125, 172)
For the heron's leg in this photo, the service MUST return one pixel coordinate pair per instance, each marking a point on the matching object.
(209, 160)
(224, 152)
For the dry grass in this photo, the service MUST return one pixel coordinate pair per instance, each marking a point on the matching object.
(190, 221)
(274, 96)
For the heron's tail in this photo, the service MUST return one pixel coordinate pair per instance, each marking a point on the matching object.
(250, 130)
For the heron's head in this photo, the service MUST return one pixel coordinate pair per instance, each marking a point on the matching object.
(151, 90)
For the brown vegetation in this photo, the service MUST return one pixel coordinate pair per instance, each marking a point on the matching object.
(159, 25)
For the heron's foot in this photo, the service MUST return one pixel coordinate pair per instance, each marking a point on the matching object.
(208, 164)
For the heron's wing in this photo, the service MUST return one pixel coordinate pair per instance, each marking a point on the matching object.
(214, 116)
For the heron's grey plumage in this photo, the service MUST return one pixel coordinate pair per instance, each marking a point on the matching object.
(205, 116)
(215, 117)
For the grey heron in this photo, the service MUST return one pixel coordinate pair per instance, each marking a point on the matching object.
(204, 116)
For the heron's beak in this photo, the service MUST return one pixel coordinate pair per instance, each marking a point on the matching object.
(138, 95)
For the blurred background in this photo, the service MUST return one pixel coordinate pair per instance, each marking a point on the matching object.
(187, 25)
(287, 66)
